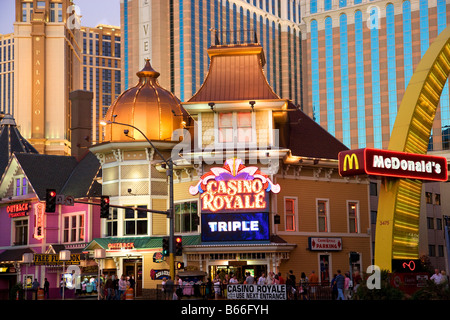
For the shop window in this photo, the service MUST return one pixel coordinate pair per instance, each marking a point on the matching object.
(136, 222)
(21, 232)
(324, 267)
(20, 186)
(186, 217)
(322, 215)
(289, 211)
(73, 230)
(353, 213)
(235, 128)
(111, 223)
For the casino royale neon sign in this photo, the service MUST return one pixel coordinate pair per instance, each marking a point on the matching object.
(234, 195)
(234, 187)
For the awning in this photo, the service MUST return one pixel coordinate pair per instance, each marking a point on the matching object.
(13, 255)
(136, 243)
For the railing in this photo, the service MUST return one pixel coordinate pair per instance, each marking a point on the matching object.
(314, 291)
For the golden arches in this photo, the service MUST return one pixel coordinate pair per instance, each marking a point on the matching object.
(397, 230)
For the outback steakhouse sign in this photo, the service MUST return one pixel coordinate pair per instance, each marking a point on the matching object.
(18, 210)
(392, 164)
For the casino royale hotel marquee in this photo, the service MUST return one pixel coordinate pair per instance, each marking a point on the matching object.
(278, 203)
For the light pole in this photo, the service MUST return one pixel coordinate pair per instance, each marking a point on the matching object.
(64, 255)
(170, 212)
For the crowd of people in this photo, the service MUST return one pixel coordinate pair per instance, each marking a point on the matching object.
(341, 287)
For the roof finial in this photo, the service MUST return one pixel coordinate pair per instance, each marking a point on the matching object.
(148, 71)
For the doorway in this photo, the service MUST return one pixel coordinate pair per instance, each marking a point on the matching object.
(133, 269)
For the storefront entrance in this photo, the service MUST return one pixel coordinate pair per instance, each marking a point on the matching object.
(239, 270)
(133, 268)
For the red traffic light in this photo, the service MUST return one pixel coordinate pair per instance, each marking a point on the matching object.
(178, 239)
(52, 193)
(106, 200)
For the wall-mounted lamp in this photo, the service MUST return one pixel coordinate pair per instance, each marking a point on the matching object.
(252, 104)
(211, 105)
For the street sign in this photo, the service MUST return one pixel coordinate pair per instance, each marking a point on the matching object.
(65, 200)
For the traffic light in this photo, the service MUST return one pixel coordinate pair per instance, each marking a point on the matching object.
(50, 200)
(165, 246)
(178, 246)
(180, 265)
(104, 207)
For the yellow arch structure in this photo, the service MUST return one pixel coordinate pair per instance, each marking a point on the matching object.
(397, 230)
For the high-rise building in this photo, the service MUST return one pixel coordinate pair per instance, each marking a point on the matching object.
(361, 55)
(46, 58)
(175, 35)
(46, 69)
(101, 72)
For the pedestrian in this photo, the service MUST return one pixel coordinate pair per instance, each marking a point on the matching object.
(347, 286)
(290, 287)
(303, 287)
(313, 283)
(132, 282)
(340, 283)
(179, 289)
(115, 281)
(276, 279)
(216, 283)
(123, 284)
(46, 288)
(437, 276)
(109, 286)
(35, 287)
(262, 279)
(281, 279)
(169, 289)
(270, 278)
(62, 286)
(356, 281)
(249, 279)
(334, 291)
(233, 280)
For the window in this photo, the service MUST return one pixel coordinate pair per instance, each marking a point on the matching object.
(289, 211)
(21, 232)
(111, 223)
(73, 228)
(437, 199)
(440, 250)
(430, 223)
(186, 217)
(235, 127)
(353, 214)
(429, 197)
(56, 12)
(322, 215)
(432, 250)
(136, 221)
(438, 224)
(41, 4)
(27, 11)
(373, 189)
(373, 217)
(21, 186)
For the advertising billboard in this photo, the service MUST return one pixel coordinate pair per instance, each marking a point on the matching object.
(235, 227)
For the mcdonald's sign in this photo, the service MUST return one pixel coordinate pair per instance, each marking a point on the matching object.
(351, 162)
(389, 163)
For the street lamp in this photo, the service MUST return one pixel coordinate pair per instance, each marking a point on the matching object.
(64, 255)
(169, 163)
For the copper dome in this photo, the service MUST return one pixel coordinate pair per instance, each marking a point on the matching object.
(147, 106)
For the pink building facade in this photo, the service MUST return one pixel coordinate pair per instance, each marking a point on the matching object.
(31, 239)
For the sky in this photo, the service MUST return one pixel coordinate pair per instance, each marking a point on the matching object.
(93, 12)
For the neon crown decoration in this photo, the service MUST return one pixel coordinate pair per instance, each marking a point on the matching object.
(233, 169)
